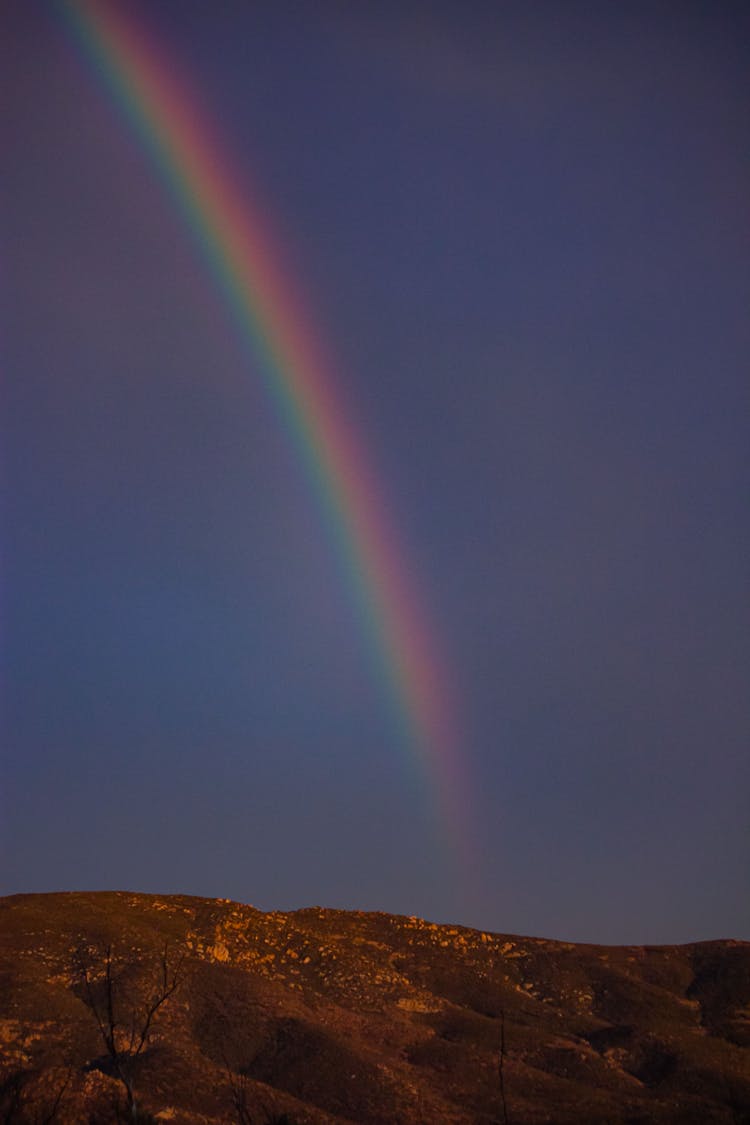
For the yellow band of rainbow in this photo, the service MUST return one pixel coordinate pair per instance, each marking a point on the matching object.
(236, 243)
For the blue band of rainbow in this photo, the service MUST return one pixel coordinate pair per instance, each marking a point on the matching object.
(236, 243)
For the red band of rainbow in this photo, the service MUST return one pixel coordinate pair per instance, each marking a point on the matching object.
(235, 241)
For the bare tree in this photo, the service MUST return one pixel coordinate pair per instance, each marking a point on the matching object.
(22, 1104)
(501, 1068)
(240, 1088)
(125, 1021)
(11, 1096)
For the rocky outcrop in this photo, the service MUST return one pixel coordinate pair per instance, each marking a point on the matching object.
(330, 1016)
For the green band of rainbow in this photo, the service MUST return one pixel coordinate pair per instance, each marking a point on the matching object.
(236, 243)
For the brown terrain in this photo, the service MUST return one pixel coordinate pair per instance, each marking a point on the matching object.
(213, 1012)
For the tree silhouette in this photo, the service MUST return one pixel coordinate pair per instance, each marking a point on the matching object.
(501, 1069)
(125, 1015)
(22, 1104)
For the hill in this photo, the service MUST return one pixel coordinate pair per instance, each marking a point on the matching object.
(331, 1016)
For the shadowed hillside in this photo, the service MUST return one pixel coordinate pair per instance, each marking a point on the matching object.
(214, 1012)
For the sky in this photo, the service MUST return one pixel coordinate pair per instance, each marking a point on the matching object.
(521, 234)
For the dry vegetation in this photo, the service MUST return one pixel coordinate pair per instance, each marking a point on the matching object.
(185, 1010)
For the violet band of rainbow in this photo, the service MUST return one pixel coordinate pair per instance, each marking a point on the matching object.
(235, 240)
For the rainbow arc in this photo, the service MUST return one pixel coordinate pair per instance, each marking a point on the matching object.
(235, 240)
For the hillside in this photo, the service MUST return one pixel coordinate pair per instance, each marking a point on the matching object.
(330, 1016)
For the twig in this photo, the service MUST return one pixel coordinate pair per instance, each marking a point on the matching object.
(501, 1069)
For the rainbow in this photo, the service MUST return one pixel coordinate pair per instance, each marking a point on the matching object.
(235, 240)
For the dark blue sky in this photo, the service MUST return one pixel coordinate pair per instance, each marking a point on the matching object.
(523, 232)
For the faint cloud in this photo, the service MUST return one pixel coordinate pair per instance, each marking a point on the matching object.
(444, 56)
(529, 62)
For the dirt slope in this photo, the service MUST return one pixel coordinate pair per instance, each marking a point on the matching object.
(330, 1016)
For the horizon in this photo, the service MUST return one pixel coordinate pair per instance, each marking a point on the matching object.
(447, 924)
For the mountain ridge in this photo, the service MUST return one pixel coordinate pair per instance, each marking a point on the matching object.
(331, 1016)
